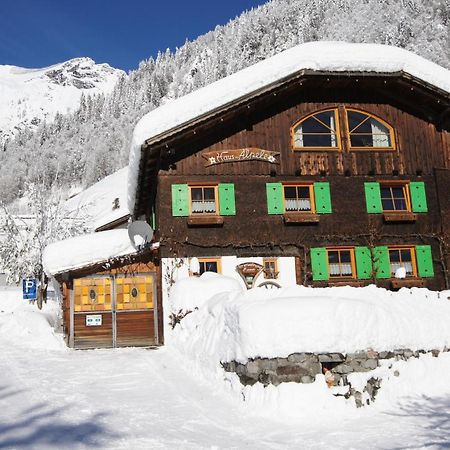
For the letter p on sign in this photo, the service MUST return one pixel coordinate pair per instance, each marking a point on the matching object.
(29, 288)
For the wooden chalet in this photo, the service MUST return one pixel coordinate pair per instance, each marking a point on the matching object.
(323, 176)
(299, 170)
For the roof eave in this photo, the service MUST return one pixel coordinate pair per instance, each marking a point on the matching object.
(297, 75)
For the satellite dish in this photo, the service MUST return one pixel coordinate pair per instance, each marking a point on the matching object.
(140, 234)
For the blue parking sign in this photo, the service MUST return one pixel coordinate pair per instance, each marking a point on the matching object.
(29, 287)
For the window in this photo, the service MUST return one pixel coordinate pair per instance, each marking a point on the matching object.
(402, 258)
(341, 263)
(361, 131)
(270, 268)
(366, 131)
(199, 200)
(317, 131)
(92, 294)
(393, 197)
(209, 265)
(298, 198)
(203, 199)
(364, 263)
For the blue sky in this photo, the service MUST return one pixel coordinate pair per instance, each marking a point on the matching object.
(38, 33)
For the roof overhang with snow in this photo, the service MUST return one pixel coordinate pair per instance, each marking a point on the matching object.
(89, 251)
(395, 75)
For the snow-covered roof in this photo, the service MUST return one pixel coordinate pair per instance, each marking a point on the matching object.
(313, 56)
(87, 250)
(98, 202)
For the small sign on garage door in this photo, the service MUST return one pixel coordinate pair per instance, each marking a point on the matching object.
(94, 320)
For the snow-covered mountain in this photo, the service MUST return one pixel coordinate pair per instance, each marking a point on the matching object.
(29, 96)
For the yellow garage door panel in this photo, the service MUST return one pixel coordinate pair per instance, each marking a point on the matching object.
(92, 294)
(134, 293)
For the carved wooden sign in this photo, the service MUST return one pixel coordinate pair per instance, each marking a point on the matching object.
(240, 154)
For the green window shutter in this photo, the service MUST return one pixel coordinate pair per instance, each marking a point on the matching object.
(227, 204)
(319, 264)
(363, 263)
(373, 197)
(418, 196)
(424, 261)
(322, 197)
(180, 200)
(275, 204)
(382, 262)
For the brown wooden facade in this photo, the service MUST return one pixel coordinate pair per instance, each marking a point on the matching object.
(419, 115)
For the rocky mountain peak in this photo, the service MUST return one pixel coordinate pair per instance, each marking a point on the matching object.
(83, 73)
(29, 96)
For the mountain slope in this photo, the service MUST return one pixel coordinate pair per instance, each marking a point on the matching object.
(30, 96)
(94, 140)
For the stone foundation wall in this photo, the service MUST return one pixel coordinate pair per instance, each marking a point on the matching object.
(303, 368)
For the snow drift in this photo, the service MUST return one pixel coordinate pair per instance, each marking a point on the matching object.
(238, 325)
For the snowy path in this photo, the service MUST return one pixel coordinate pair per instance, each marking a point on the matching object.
(144, 399)
(148, 399)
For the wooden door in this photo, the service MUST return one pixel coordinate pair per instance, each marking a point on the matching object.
(135, 310)
(92, 312)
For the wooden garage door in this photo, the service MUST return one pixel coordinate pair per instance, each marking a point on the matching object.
(135, 310)
(93, 315)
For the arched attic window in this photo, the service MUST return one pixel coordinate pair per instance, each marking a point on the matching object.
(366, 132)
(317, 131)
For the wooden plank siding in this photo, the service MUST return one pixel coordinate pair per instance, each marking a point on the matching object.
(419, 115)
(420, 147)
(93, 337)
(135, 329)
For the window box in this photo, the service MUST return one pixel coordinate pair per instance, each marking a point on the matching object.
(399, 217)
(295, 217)
(204, 220)
(398, 283)
(351, 283)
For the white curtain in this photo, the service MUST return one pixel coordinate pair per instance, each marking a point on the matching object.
(380, 134)
(298, 137)
(407, 265)
(203, 206)
(298, 205)
(341, 269)
(333, 127)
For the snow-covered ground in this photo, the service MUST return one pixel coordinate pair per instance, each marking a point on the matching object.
(54, 398)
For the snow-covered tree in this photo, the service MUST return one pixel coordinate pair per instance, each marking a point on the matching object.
(25, 236)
